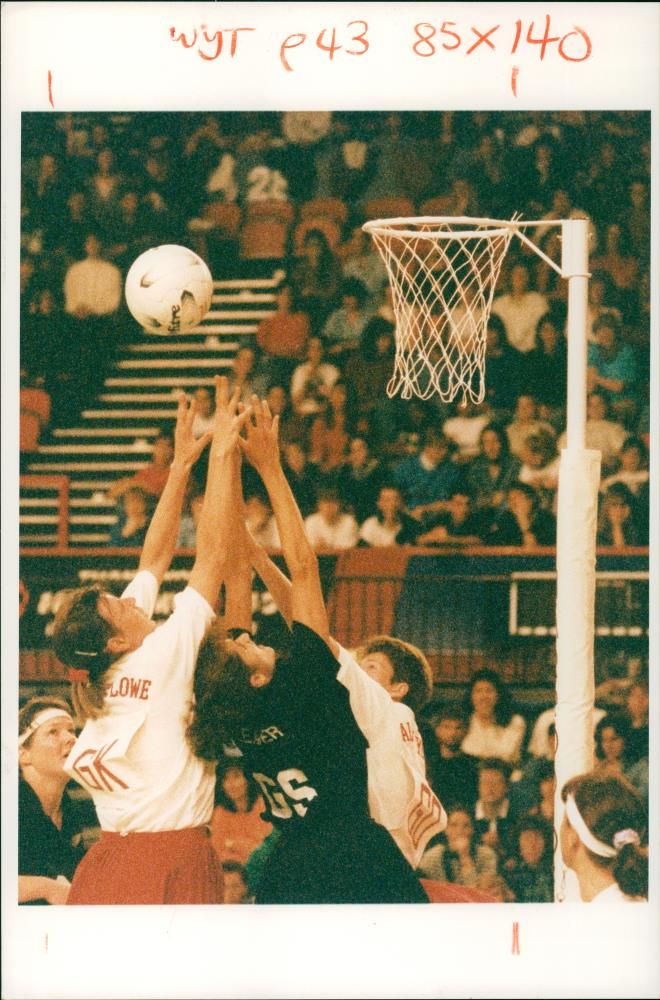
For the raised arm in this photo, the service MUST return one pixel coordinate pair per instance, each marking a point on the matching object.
(219, 519)
(160, 541)
(278, 585)
(262, 450)
(238, 582)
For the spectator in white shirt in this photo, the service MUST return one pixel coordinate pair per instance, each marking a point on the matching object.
(495, 730)
(92, 287)
(328, 527)
(390, 526)
(312, 381)
(520, 310)
(633, 470)
(525, 422)
(465, 427)
(602, 434)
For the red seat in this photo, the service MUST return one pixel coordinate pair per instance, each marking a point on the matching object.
(439, 205)
(283, 211)
(389, 208)
(35, 414)
(328, 208)
(225, 216)
(262, 239)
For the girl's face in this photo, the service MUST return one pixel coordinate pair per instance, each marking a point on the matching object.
(612, 744)
(492, 446)
(234, 784)
(531, 844)
(459, 827)
(631, 459)
(484, 698)
(49, 747)
(259, 660)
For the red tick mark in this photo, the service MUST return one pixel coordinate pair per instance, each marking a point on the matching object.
(514, 81)
(50, 89)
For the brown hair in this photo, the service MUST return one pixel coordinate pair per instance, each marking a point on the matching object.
(409, 665)
(223, 696)
(80, 637)
(609, 805)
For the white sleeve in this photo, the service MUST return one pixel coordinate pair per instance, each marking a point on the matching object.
(144, 588)
(370, 703)
(176, 642)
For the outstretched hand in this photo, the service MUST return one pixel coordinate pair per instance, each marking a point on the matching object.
(228, 418)
(260, 445)
(187, 448)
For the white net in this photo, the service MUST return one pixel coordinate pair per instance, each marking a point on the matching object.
(443, 273)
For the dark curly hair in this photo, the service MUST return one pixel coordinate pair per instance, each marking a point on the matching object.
(223, 696)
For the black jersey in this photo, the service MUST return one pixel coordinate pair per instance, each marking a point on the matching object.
(301, 742)
(304, 749)
(42, 848)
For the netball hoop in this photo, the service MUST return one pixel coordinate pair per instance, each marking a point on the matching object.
(443, 273)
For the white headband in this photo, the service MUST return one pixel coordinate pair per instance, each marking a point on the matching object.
(584, 833)
(40, 718)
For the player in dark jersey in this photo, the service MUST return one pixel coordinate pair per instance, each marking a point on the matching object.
(292, 722)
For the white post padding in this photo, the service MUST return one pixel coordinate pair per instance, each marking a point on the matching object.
(575, 267)
(579, 478)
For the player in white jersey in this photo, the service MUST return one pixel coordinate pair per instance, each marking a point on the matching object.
(133, 685)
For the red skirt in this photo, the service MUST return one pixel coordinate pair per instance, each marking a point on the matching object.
(175, 866)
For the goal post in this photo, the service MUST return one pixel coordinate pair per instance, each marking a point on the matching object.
(443, 272)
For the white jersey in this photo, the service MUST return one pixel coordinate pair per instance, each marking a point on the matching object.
(135, 760)
(400, 798)
(613, 894)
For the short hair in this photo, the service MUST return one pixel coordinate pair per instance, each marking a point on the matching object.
(409, 665)
(609, 320)
(495, 764)
(450, 710)
(33, 707)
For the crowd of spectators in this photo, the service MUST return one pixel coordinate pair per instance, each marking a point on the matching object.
(494, 774)
(99, 189)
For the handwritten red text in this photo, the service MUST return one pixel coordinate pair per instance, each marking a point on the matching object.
(326, 41)
(210, 46)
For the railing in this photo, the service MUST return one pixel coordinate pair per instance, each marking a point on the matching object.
(45, 485)
(457, 606)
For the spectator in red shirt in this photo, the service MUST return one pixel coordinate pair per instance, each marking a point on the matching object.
(152, 477)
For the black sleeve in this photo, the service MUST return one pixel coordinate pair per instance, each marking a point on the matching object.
(310, 662)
